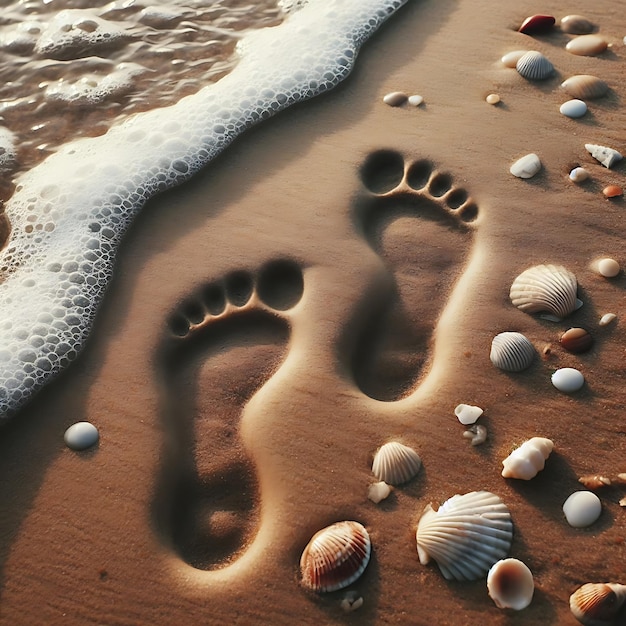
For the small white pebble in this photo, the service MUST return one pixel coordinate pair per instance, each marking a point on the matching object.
(81, 436)
(477, 434)
(415, 100)
(582, 509)
(378, 491)
(492, 98)
(607, 318)
(609, 268)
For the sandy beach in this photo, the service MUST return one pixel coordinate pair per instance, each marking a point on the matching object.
(331, 282)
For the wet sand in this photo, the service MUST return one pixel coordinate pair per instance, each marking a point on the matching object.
(301, 302)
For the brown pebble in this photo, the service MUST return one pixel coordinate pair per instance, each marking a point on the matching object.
(613, 191)
(395, 98)
(537, 24)
(594, 481)
(576, 340)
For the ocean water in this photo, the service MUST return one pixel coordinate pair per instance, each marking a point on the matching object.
(104, 107)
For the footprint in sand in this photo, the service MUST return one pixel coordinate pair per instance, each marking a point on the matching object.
(222, 345)
(420, 224)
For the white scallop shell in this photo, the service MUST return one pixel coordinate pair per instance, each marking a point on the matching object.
(512, 352)
(597, 603)
(396, 463)
(605, 155)
(528, 460)
(534, 66)
(585, 87)
(335, 557)
(546, 289)
(466, 536)
(510, 584)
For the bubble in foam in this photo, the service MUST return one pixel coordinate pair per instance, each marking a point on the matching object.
(69, 213)
(7, 150)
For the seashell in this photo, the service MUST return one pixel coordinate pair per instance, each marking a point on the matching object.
(576, 340)
(510, 59)
(573, 108)
(576, 25)
(528, 460)
(585, 87)
(512, 352)
(526, 167)
(415, 100)
(510, 584)
(81, 436)
(351, 602)
(492, 98)
(596, 604)
(609, 268)
(477, 433)
(396, 463)
(537, 24)
(335, 557)
(594, 481)
(579, 174)
(622, 502)
(547, 289)
(603, 154)
(621, 478)
(613, 191)
(395, 98)
(466, 536)
(607, 318)
(582, 509)
(587, 45)
(377, 492)
(534, 66)
(467, 413)
(568, 380)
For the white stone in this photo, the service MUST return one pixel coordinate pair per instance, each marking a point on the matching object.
(573, 108)
(81, 436)
(579, 174)
(526, 167)
(568, 379)
(415, 100)
(582, 509)
(492, 98)
(609, 268)
(378, 491)
(468, 413)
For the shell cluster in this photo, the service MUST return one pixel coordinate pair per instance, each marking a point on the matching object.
(466, 535)
(528, 460)
(395, 463)
(512, 351)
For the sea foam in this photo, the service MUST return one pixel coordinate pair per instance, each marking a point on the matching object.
(69, 213)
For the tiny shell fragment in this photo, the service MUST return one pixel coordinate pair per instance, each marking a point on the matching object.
(622, 502)
(607, 318)
(467, 413)
(526, 167)
(537, 24)
(492, 98)
(395, 98)
(621, 478)
(587, 45)
(579, 175)
(605, 155)
(378, 491)
(351, 602)
(477, 433)
(576, 25)
(594, 481)
(613, 191)
(609, 268)
(415, 100)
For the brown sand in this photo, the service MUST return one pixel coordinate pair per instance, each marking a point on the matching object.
(195, 465)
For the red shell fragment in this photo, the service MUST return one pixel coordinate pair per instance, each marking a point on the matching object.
(537, 24)
(613, 191)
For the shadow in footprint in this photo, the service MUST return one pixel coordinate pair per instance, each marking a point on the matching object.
(420, 224)
(223, 344)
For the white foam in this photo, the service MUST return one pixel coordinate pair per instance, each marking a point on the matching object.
(7, 150)
(69, 213)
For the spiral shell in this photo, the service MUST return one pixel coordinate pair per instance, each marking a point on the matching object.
(598, 604)
(585, 87)
(395, 463)
(534, 66)
(466, 536)
(547, 289)
(335, 557)
(512, 352)
(510, 584)
(528, 460)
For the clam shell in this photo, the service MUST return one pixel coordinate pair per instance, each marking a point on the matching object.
(546, 289)
(587, 45)
(585, 87)
(526, 167)
(537, 24)
(335, 557)
(528, 460)
(395, 463)
(576, 25)
(510, 584)
(605, 155)
(534, 66)
(512, 352)
(573, 108)
(466, 536)
(595, 604)
(582, 509)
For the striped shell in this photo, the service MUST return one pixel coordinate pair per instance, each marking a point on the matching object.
(585, 87)
(466, 536)
(395, 463)
(534, 66)
(597, 604)
(512, 352)
(335, 557)
(547, 289)
(528, 460)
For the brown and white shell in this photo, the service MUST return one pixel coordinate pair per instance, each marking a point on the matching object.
(466, 535)
(585, 87)
(510, 584)
(395, 463)
(534, 66)
(598, 604)
(512, 352)
(335, 557)
(528, 460)
(547, 289)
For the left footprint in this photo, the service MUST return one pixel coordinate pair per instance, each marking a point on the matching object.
(222, 345)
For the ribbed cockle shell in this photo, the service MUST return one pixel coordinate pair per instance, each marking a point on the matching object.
(534, 66)
(396, 463)
(335, 557)
(512, 352)
(598, 604)
(466, 535)
(528, 460)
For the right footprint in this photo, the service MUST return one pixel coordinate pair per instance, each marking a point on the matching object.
(421, 225)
